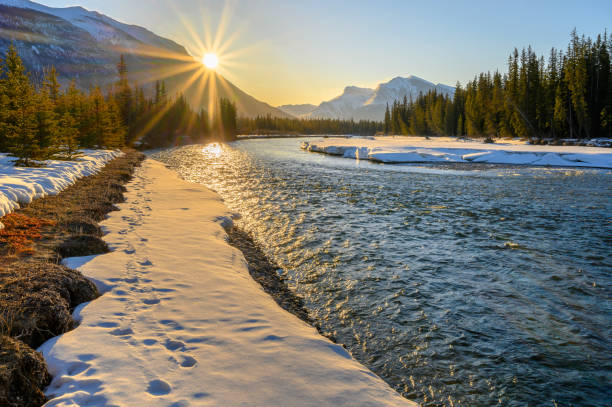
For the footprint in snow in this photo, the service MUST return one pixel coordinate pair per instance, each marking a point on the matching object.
(158, 387)
(126, 332)
(174, 345)
(188, 361)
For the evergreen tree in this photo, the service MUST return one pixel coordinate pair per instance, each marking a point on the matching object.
(69, 137)
(115, 132)
(46, 124)
(99, 120)
(18, 127)
(387, 126)
(51, 85)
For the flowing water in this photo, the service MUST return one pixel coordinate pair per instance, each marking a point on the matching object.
(466, 285)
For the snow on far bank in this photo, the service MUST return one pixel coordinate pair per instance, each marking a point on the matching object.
(182, 323)
(444, 149)
(20, 185)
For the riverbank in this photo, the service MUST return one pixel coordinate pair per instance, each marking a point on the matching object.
(397, 150)
(37, 295)
(182, 321)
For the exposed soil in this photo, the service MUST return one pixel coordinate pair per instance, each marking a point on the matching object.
(37, 294)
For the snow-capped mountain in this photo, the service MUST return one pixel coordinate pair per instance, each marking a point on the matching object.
(297, 110)
(344, 106)
(101, 27)
(370, 104)
(85, 45)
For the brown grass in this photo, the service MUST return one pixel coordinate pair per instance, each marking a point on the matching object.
(20, 232)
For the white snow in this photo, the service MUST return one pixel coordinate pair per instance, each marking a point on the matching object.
(182, 323)
(444, 149)
(20, 185)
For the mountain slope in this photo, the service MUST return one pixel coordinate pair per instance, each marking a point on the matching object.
(297, 110)
(370, 104)
(86, 45)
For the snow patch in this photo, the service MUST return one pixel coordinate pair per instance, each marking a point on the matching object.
(445, 149)
(21, 185)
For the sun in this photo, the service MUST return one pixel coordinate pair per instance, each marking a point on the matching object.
(210, 61)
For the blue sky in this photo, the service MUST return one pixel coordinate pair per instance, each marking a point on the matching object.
(308, 51)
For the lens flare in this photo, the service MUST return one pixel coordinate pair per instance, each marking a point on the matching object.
(201, 72)
(210, 61)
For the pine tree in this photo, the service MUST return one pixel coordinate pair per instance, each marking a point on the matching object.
(51, 85)
(387, 125)
(114, 136)
(18, 127)
(46, 124)
(69, 137)
(99, 120)
(576, 79)
(3, 107)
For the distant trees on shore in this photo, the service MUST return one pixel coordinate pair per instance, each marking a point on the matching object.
(277, 125)
(40, 121)
(570, 96)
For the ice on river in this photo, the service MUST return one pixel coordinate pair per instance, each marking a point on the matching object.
(452, 150)
(182, 323)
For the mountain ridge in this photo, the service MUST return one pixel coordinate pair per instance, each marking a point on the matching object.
(85, 46)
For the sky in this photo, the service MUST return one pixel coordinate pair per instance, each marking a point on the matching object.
(307, 51)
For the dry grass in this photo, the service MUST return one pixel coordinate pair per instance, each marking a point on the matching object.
(20, 232)
(23, 375)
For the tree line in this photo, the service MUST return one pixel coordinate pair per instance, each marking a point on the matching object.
(40, 120)
(277, 125)
(567, 96)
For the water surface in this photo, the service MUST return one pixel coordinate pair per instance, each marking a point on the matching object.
(464, 285)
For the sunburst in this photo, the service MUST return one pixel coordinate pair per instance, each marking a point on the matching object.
(211, 58)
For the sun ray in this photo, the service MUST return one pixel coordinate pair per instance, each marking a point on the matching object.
(190, 30)
(167, 107)
(153, 52)
(222, 26)
(212, 96)
(163, 73)
(232, 92)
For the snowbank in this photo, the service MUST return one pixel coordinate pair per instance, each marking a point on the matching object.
(20, 185)
(444, 149)
(182, 322)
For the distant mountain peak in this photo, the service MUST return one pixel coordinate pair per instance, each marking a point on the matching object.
(369, 104)
(356, 89)
(298, 110)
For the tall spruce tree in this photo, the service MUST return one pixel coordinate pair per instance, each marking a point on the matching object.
(18, 127)
(46, 124)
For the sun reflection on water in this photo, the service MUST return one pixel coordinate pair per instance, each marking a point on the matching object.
(212, 150)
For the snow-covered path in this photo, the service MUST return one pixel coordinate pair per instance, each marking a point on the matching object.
(451, 150)
(182, 323)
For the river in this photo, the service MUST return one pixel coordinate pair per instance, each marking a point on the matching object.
(460, 285)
